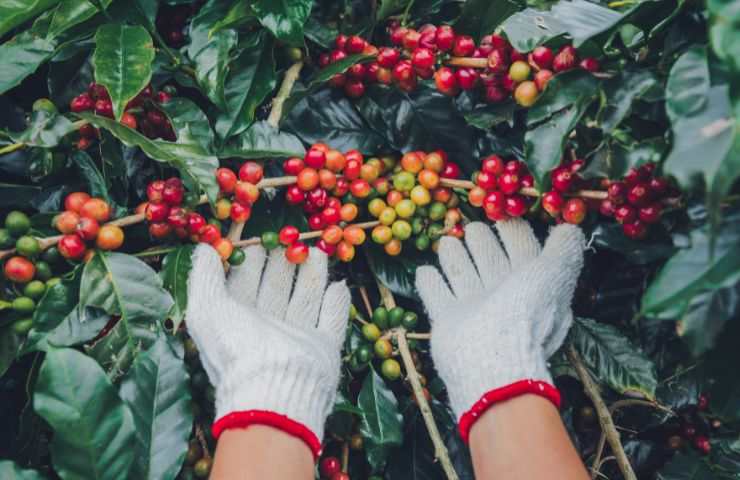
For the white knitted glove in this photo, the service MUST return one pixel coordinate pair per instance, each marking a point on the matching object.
(502, 315)
(273, 356)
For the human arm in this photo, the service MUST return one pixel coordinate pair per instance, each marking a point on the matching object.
(499, 309)
(271, 348)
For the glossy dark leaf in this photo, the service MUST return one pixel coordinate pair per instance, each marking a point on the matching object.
(175, 271)
(157, 390)
(621, 91)
(482, 17)
(24, 54)
(92, 175)
(123, 62)
(688, 83)
(210, 51)
(424, 119)
(188, 119)
(13, 14)
(73, 12)
(45, 130)
(706, 315)
(613, 359)
(261, 140)
(397, 273)
(380, 421)
(251, 78)
(610, 236)
(613, 159)
(486, 117)
(327, 116)
(284, 18)
(688, 467)
(9, 343)
(196, 164)
(579, 19)
(93, 428)
(697, 268)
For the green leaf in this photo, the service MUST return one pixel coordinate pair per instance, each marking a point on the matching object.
(563, 90)
(90, 172)
(73, 12)
(610, 236)
(184, 115)
(11, 471)
(17, 195)
(689, 466)
(613, 359)
(697, 269)
(389, 7)
(485, 117)
(613, 159)
(261, 140)
(78, 327)
(9, 343)
(21, 56)
(123, 285)
(414, 460)
(424, 119)
(579, 19)
(239, 15)
(380, 421)
(44, 130)
(706, 316)
(209, 51)
(481, 17)
(157, 390)
(688, 83)
(14, 13)
(704, 126)
(123, 62)
(251, 79)
(93, 428)
(175, 271)
(621, 91)
(284, 18)
(196, 165)
(397, 273)
(327, 116)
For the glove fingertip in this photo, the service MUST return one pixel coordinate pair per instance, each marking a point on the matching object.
(566, 243)
(433, 290)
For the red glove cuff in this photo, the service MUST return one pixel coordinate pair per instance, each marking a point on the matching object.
(501, 394)
(262, 417)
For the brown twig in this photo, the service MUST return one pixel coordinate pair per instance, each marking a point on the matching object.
(202, 440)
(440, 451)
(605, 419)
(304, 236)
(366, 301)
(345, 456)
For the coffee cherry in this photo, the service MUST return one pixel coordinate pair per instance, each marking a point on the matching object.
(19, 269)
(464, 46)
(451, 170)
(390, 369)
(196, 221)
(658, 185)
(702, 403)
(607, 208)
(308, 179)
(202, 467)
(702, 444)
(494, 202)
(639, 195)
(625, 214)
(565, 59)
(226, 180)
(383, 348)
(423, 58)
(87, 228)
(446, 82)
(209, 234)
(161, 230)
(590, 64)
(444, 37)
(553, 202)
(674, 442)
(66, 222)
(371, 332)
(519, 71)
(104, 108)
(526, 93)
(354, 235)
(617, 192)
(82, 103)
(393, 247)
(401, 229)
(574, 211)
(542, 78)
(388, 57)
(329, 466)
(498, 61)
(562, 179)
(493, 164)
(650, 213)
(542, 57)
(410, 319)
(288, 235)
(156, 212)
(293, 166)
(355, 44)
(345, 251)
(515, 206)
(71, 247)
(96, 208)
(224, 247)
(635, 230)
(173, 194)
(487, 181)
(509, 183)
(110, 237)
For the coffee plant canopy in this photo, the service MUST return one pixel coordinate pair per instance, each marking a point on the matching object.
(132, 130)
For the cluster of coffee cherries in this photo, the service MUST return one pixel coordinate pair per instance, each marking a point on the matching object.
(696, 427)
(29, 268)
(635, 201)
(431, 52)
(565, 180)
(415, 206)
(141, 113)
(82, 224)
(377, 346)
(330, 468)
(498, 186)
(167, 216)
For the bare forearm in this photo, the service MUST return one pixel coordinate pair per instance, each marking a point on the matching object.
(521, 439)
(260, 452)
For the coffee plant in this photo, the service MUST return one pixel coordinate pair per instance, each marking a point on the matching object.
(130, 131)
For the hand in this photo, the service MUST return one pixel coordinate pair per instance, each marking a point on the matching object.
(273, 357)
(502, 315)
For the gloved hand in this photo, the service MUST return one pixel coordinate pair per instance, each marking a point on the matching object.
(504, 312)
(273, 356)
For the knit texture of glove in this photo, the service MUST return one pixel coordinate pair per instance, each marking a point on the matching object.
(270, 343)
(498, 313)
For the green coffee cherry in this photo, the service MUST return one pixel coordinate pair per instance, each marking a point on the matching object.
(395, 316)
(23, 305)
(380, 317)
